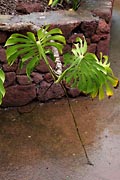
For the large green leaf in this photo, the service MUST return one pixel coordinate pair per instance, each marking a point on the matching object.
(50, 38)
(15, 40)
(87, 73)
(31, 47)
(13, 49)
(31, 65)
(58, 38)
(31, 36)
(55, 31)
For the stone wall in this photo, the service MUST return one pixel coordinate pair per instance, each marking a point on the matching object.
(94, 24)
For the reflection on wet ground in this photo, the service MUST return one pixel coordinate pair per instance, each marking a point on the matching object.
(39, 141)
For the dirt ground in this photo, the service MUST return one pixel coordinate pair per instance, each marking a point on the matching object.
(9, 6)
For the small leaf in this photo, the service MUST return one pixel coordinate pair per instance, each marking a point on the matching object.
(13, 41)
(55, 44)
(31, 36)
(68, 59)
(27, 56)
(54, 31)
(12, 58)
(57, 38)
(2, 75)
(95, 92)
(55, 3)
(50, 53)
(50, 2)
(31, 65)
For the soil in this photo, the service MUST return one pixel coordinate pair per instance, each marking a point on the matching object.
(11, 6)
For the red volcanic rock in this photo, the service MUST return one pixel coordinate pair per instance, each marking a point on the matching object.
(42, 67)
(23, 80)
(21, 71)
(55, 91)
(18, 95)
(96, 38)
(48, 77)
(3, 37)
(103, 46)
(89, 28)
(10, 78)
(27, 8)
(92, 48)
(66, 49)
(73, 92)
(105, 13)
(66, 28)
(8, 68)
(3, 56)
(88, 41)
(36, 77)
(103, 27)
(72, 38)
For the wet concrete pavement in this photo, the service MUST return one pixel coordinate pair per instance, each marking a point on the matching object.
(41, 143)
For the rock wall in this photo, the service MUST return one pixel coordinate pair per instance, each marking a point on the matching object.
(94, 24)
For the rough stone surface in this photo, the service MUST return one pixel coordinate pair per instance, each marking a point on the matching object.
(2, 56)
(105, 13)
(72, 38)
(103, 27)
(42, 67)
(37, 77)
(100, 8)
(20, 71)
(103, 47)
(65, 27)
(23, 80)
(92, 48)
(96, 38)
(8, 68)
(48, 77)
(26, 8)
(3, 37)
(89, 28)
(18, 95)
(67, 48)
(88, 41)
(73, 92)
(55, 91)
(10, 78)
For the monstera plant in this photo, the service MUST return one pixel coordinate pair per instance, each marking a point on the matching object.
(82, 70)
(87, 73)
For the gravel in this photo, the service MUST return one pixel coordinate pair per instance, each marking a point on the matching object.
(9, 6)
